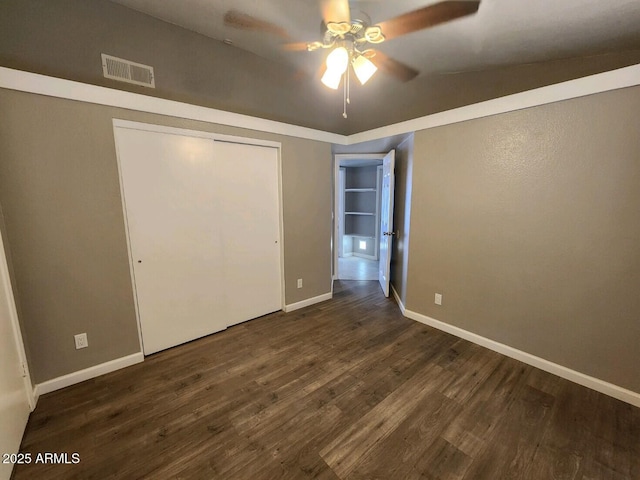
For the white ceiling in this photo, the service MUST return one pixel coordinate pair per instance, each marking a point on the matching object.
(503, 32)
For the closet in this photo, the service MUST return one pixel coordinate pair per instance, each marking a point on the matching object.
(203, 220)
(361, 211)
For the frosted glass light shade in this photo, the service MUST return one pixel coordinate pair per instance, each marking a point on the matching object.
(331, 78)
(364, 68)
(338, 60)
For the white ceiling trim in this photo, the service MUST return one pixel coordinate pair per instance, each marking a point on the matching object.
(56, 87)
(580, 87)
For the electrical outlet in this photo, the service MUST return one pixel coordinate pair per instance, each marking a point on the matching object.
(438, 299)
(299, 283)
(81, 341)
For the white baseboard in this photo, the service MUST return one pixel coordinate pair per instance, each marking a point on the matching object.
(593, 383)
(398, 300)
(86, 374)
(308, 302)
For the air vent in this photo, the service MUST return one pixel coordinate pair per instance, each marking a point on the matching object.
(126, 71)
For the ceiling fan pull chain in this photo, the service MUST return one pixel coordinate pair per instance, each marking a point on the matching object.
(349, 82)
(344, 96)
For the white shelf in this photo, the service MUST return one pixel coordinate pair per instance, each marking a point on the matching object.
(360, 208)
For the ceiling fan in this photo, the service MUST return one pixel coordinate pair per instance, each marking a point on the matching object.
(350, 40)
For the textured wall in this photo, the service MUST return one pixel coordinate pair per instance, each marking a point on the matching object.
(60, 195)
(528, 224)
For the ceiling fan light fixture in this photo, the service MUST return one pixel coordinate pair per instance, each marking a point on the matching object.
(331, 78)
(364, 68)
(338, 60)
(348, 39)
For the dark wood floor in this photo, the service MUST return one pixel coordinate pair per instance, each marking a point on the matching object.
(347, 389)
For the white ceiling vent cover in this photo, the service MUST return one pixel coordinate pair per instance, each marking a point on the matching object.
(126, 71)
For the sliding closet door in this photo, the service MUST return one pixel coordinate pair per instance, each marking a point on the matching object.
(204, 230)
(174, 218)
(247, 178)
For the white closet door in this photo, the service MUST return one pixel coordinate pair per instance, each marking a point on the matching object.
(248, 180)
(204, 232)
(175, 231)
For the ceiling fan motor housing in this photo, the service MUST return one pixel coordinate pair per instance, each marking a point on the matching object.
(357, 34)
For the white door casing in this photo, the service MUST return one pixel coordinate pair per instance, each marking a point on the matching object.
(339, 218)
(344, 158)
(386, 220)
(16, 398)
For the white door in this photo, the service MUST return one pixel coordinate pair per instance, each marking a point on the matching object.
(14, 399)
(386, 220)
(247, 181)
(174, 218)
(203, 222)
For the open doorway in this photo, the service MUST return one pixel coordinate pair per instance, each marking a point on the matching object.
(393, 233)
(359, 182)
(363, 213)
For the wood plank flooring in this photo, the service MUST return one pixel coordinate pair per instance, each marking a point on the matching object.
(346, 389)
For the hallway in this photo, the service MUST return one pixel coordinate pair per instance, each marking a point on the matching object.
(357, 268)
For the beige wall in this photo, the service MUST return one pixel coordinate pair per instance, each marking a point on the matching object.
(402, 217)
(528, 223)
(60, 196)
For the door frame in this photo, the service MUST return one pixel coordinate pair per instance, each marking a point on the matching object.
(149, 127)
(337, 159)
(7, 291)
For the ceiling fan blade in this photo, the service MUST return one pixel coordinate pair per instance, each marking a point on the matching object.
(427, 17)
(393, 67)
(236, 19)
(295, 47)
(335, 11)
(303, 75)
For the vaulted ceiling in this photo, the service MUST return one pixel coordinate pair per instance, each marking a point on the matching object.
(508, 46)
(501, 33)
